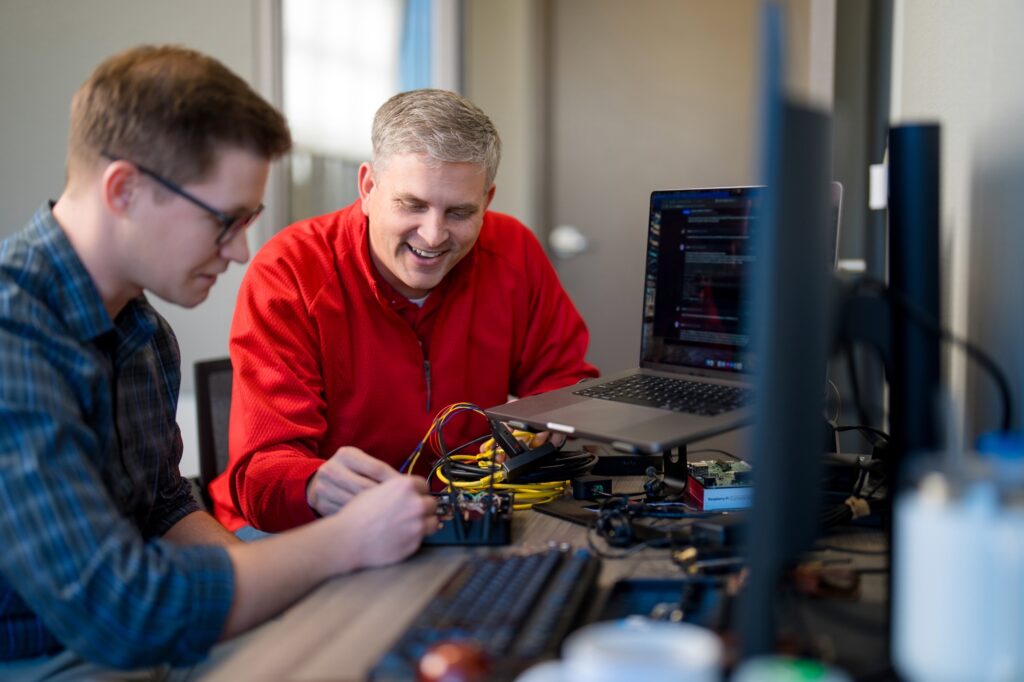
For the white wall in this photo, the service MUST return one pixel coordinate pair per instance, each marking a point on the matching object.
(47, 48)
(958, 63)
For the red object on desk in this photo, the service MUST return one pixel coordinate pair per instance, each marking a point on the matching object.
(453, 662)
(717, 498)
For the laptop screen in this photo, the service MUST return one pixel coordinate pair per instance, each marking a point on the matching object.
(699, 259)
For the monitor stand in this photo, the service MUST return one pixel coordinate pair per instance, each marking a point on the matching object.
(674, 463)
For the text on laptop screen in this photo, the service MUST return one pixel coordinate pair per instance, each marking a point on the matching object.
(699, 260)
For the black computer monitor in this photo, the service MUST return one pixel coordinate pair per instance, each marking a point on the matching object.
(792, 324)
(793, 288)
(798, 317)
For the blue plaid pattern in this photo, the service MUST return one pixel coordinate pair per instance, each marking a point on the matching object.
(89, 480)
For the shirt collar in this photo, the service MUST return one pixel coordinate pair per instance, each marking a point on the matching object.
(75, 298)
(74, 294)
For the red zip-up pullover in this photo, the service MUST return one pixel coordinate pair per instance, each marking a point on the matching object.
(326, 354)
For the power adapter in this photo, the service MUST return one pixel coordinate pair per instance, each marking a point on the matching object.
(720, 530)
(591, 487)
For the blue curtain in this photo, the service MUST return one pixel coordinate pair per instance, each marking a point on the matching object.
(414, 64)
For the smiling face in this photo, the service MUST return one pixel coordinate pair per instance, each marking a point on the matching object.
(174, 241)
(424, 217)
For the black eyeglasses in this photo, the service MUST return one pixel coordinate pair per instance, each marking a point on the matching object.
(229, 225)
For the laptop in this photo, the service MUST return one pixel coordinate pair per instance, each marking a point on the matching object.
(694, 334)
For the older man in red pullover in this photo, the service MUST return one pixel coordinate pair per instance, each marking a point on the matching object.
(353, 329)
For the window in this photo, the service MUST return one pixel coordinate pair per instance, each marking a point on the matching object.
(341, 60)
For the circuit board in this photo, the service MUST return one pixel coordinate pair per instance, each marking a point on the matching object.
(473, 519)
(715, 473)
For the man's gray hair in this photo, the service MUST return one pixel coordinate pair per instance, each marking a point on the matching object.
(441, 124)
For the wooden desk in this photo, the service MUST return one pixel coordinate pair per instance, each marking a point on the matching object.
(340, 630)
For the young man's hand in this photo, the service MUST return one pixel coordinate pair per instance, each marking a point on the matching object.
(386, 523)
(346, 474)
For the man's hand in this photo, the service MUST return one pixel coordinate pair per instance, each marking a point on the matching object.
(557, 439)
(387, 523)
(349, 472)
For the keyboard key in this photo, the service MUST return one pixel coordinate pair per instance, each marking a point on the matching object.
(667, 393)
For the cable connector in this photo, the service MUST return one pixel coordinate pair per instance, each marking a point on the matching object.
(504, 438)
(519, 460)
(526, 461)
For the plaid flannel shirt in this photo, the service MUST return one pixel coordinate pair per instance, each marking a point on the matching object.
(89, 480)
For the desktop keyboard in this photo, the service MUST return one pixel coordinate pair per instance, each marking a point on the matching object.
(679, 395)
(516, 607)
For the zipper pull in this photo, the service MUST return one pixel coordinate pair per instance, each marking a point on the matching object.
(426, 374)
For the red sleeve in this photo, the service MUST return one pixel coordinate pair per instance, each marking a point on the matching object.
(556, 339)
(277, 410)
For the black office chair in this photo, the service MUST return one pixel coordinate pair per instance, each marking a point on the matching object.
(213, 405)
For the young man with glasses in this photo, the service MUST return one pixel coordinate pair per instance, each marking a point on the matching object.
(107, 560)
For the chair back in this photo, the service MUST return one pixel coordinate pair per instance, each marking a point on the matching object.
(213, 405)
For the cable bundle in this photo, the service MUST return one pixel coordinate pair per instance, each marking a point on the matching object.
(485, 470)
(434, 434)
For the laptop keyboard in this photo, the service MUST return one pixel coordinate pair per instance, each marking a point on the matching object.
(679, 395)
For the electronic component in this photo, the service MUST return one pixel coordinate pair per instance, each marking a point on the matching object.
(499, 463)
(720, 530)
(519, 460)
(473, 519)
(712, 473)
(591, 487)
(611, 464)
